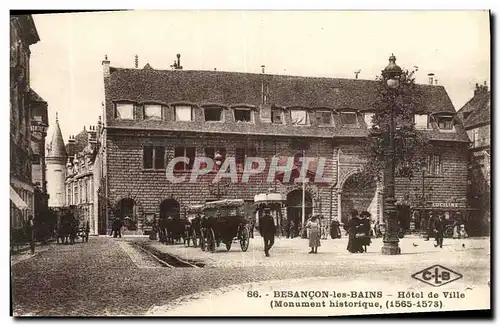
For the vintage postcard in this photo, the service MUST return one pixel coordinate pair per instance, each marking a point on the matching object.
(250, 163)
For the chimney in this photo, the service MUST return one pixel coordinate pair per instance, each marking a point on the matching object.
(431, 78)
(136, 61)
(92, 135)
(263, 69)
(105, 67)
(71, 146)
(177, 64)
(356, 73)
(435, 81)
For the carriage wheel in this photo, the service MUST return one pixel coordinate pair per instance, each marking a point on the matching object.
(202, 240)
(211, 240)
(195, 244)
(244, 239)
(228, 245)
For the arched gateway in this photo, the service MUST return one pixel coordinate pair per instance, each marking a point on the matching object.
(359, 192)
(294, 206)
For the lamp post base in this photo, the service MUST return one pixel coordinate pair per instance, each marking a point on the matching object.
(391, 248)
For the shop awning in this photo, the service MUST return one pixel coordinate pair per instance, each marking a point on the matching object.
(17, 200)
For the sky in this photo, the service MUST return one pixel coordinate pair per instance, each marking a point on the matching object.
(66, 64)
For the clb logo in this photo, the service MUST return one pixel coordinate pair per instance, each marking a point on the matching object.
(437, 275)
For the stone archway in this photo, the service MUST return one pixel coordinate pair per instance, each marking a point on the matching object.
(359, 191)
(127, 210)
(170, 207)
(294, 206)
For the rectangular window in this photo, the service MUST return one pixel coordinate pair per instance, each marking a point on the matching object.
(368, 119)
(421, 121)
(434, 165)
(475, 137)
(210, 152)
(324, 118)
(125, 111)
(243, 115)
(241, 155)
(213, 114)
(300, 117)
(183, 113)
(154, 157)
(348, 118)
(276, 116)
(152, 111)
(35, 159)
(445, 123)
(188, 152)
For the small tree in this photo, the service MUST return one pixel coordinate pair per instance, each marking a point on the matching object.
(411, 144)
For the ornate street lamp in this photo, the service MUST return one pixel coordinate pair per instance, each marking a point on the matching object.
(391, 74)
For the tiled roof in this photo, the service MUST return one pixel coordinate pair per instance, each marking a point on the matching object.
(477, 110)
(230, 88)
(34, 97)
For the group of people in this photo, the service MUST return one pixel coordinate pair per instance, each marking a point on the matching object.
(316, 230)
(359, 230)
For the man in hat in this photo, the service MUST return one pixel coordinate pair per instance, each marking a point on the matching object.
(267, 230)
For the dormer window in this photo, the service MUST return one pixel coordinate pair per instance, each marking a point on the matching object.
(243, 115)
(213, 114)
(445, 123)
(348, 119)
(300, 117)
(277, 116)
(152, 111)
(183, 113)
(124, 111)
(369, 119)
(421, 121)
(324, 118)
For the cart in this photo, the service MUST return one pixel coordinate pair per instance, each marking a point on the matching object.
(224, 222)
(193, 227)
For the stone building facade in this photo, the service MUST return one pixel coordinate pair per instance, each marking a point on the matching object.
(476, 118)
(23, 34)
(81, 175)
(152, 116)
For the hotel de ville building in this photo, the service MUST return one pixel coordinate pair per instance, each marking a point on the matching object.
(152, 116)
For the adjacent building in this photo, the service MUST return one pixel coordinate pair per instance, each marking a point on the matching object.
(152, 116)
(39, 126)
(82, 175)
(476, 118)
(23, 34)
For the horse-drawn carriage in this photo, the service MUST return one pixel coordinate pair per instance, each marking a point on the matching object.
(192, 229)
(223, 222)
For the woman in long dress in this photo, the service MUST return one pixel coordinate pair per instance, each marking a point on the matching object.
(314, 225)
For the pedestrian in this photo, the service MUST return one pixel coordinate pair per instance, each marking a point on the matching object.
(267, 230)
(353, 244)
(439, 231)
(430, 226)
(87, 231)
(335, 229)
(314, 227)
(30, 229)
(292, 229)
(365, 229)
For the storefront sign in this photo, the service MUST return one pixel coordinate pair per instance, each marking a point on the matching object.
(451, 205)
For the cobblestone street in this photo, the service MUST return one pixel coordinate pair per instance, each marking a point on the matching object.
(110, 277)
